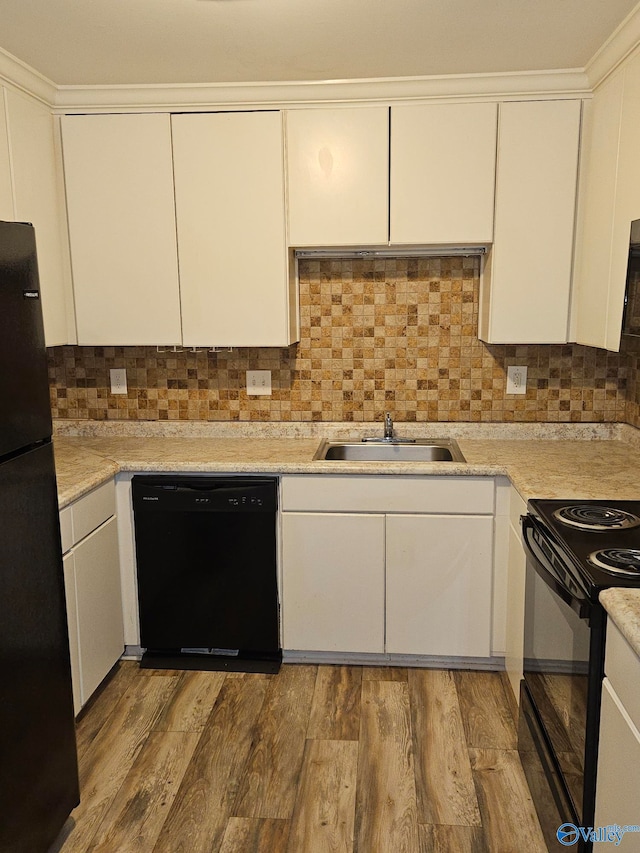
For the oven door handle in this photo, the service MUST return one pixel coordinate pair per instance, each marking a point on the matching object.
(580, 605)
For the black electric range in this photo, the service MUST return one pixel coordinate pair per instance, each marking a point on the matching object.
(574, 550)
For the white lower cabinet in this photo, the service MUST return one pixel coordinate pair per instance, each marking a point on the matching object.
(363, 573)
(93, 592)
(618, 780)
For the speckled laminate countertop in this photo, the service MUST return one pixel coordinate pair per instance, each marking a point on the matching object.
(537, 468)
(598, 463)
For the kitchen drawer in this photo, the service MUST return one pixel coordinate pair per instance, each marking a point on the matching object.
(622, 668)
(90, 512)
(411, 494)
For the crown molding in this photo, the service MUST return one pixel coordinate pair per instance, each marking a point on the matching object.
(16, 73)
(561, 83)
(618, 47)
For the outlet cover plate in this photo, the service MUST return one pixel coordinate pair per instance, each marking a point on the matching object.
(118, 377)
(516, 379)
(259, 382)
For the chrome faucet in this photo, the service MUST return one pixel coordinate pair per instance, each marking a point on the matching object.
(388, 426)
(388, 435)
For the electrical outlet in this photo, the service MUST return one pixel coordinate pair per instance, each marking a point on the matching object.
(516, 379)
(259, 382)
(118, 378)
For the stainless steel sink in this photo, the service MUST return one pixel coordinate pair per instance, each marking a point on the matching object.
(420, 450)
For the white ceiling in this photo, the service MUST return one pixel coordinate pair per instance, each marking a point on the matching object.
(110, 42)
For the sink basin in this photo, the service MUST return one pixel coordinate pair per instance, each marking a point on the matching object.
(420, 450)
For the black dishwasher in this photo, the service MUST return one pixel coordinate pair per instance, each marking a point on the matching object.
(206, 566)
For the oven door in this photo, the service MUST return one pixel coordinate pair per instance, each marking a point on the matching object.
(563, 670)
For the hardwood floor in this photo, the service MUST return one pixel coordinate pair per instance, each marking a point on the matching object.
(315, 759)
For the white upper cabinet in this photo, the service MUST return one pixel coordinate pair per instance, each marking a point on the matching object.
(31, 191)
(596, 210)
(224, 221)
(627, 204)
(229, 189)
(338, 174)
(527, 282)
(6, 190)
(119, 182)
(611, 200)
(443, 173)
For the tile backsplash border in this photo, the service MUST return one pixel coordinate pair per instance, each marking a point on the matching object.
(376, 335)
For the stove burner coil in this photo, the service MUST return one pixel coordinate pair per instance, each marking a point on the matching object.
(617, 561)
(590, 517)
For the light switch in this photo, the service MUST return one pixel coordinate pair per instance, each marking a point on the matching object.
(259, 382)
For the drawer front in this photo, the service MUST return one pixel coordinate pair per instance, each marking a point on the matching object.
(622, 667)
(66, 529)
(93, 509)
(442, 495)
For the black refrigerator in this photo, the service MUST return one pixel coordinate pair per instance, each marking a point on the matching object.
(38, 763)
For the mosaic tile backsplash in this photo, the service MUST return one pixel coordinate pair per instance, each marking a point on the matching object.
(376, 335)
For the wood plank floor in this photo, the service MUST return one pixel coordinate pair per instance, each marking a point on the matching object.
(327, 759)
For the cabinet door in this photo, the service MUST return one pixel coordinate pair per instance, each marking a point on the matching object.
(99, 605)
(443, 167)
(338, 176)
(119, 182)
(229, 184)
(37, 191)
(618, 768)
(333, 582)
(596, 218)
(68, 562)
(439, 571)
(526, 298)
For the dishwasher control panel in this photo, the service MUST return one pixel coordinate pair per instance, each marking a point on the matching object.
(205, 493)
